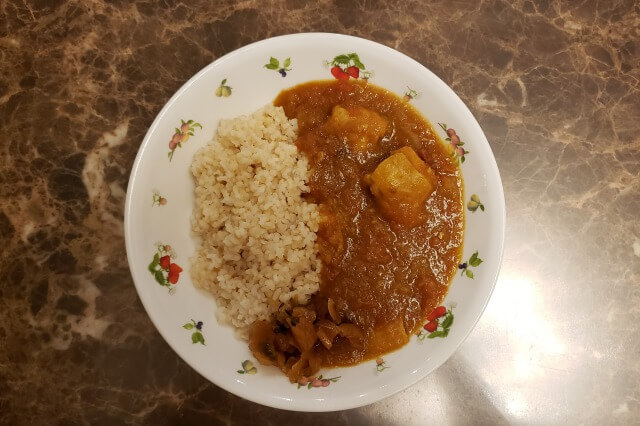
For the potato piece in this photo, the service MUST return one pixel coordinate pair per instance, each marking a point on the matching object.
(401, 184)
(362, 127)
(418, 163)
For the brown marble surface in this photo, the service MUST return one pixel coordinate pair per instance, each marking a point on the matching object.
(555, 86)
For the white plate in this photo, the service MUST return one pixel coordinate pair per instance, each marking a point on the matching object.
(147, 223)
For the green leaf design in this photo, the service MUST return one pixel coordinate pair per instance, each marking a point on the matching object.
(271, 67)
(286, 63)
(439, 333)
(160, 278)
(381, 367)
(448, 320)
(274, 61)
(411, 93)
(223, 82)
(240, 371)
(197, 337)
(154, 263)
(482, 207)
(358, 64)
(196, 125)
(341, 59)
(188, 326)
(475, 262)
(354, 56)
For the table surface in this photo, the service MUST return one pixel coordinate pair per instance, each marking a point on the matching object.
(555, 86)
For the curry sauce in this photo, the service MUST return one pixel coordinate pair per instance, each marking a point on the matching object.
(391, 233)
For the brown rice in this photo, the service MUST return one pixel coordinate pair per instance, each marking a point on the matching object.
(258, 241)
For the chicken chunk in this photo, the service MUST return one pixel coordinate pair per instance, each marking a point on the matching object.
(401, 184)
(361, 127)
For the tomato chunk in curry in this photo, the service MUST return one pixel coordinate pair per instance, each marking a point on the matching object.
(392, 223)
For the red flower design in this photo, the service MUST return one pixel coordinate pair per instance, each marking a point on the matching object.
(174, 273)
(165, 261)
(164, 271)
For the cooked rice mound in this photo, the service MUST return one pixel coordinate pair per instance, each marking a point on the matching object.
(258, 241)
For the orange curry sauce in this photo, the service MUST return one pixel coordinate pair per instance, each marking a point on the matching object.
(383, 270)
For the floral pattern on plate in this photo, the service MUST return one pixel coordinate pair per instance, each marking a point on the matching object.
(474, 203)
(274, 64)
(409, 94)
(247, 368)
(182, 135)
(196, 336)
(165, 271)
(158, 200)
(474, 261)
(346, 66)
(439, 321)
(316, 382)
(381, 365)
(455, 144)
(223, 90)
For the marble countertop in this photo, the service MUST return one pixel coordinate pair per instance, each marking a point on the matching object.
(556, 87)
